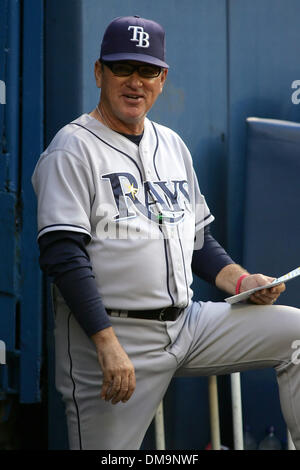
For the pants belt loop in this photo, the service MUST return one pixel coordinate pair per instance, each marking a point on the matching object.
(162, 313)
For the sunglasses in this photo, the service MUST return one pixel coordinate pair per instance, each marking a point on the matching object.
(125, 69)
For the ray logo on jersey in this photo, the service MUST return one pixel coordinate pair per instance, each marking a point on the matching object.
(165, 201)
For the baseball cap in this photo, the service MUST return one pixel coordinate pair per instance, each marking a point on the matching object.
(134, 38)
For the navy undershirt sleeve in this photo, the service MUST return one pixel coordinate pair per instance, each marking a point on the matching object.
(63, 257)
(208, 262)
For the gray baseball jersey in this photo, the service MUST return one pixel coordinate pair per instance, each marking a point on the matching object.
(140, 205)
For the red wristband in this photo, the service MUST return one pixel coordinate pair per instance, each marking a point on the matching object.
(238, 284)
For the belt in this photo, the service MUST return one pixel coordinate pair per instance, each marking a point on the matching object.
(162, 314)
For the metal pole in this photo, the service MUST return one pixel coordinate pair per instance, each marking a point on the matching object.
(291, 445)
(214, 412)
(160, 428)
(237, 418)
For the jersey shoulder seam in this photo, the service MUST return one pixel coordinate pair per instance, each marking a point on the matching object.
(58, 149)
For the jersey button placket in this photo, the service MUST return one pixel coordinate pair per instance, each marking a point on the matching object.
(178, 269)
(145, 163)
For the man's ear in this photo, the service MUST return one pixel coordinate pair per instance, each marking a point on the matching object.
(98, 73)
(163, 78)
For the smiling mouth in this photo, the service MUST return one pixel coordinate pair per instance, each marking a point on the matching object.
(133, 97)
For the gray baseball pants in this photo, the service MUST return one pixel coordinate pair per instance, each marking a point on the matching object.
(207, 339)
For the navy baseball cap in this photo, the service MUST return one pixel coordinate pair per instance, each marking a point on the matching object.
(134, 38)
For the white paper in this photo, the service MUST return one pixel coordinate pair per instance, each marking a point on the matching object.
(245, 295)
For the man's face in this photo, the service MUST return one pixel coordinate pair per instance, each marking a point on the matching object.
(126, 100)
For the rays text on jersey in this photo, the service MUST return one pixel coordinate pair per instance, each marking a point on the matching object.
(159, 200)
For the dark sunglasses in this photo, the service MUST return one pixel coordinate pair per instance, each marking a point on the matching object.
(125, 69)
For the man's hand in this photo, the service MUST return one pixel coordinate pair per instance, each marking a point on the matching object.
(118, 371)
(228, 276)
(264, 296)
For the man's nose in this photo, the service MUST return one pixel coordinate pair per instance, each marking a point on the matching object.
(134, 80)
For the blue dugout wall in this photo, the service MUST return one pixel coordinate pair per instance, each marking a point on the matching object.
(21, 127)
(228, 60)
(21, 140)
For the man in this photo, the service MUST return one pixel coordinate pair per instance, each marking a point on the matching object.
(119, 211)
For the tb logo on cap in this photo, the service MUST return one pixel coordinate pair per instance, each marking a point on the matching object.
(140, 36)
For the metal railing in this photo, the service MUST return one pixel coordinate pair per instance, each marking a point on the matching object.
(237, 416)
